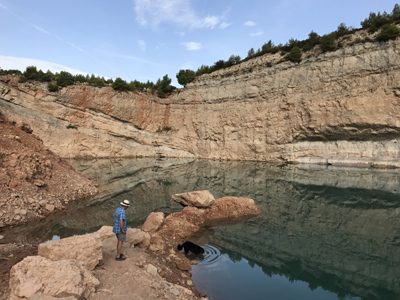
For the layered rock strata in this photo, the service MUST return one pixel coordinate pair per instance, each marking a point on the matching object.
(333, 108)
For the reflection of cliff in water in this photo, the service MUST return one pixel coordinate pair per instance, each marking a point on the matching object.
(334, 228)
(338, 228)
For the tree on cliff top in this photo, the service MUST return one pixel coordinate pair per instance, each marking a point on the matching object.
(185, 76)
(388, 32)
(120, 85)
(164, 86)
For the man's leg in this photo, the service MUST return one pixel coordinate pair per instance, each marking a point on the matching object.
(119, 248)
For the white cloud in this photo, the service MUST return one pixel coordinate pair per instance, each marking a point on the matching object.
(224, 25)
(154, 12)
(142, 45)
(258, 33)
(192, 46)
(41, 29)
(20, 63)
(249, 24)
(76, 47)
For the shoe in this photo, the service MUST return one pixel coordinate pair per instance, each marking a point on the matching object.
(120, 258)
(122, 255)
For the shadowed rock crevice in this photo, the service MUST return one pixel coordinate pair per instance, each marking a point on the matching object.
(350, 132)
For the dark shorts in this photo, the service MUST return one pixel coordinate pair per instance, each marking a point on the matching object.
(121, 237)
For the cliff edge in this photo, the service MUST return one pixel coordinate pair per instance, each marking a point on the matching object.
(331, 108)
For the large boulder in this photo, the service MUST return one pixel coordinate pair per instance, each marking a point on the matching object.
(86, 248)
(134, 236)
(105, 232)
(39, 275)
(153, 222)
(200, 199)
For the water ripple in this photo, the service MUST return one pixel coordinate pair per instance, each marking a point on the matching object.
(210, 255)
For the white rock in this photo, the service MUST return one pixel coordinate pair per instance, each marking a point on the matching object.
(39, 275)
(86, 248)
(200, 199)
(151, 270)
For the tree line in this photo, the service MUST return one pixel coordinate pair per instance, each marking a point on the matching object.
(162, 87)
(293, 49)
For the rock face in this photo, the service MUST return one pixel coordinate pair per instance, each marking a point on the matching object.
(39, 275)
(332, 108)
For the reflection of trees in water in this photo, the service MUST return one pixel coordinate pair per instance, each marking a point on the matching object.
(294, 271)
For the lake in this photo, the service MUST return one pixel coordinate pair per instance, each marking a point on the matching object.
(324, 232)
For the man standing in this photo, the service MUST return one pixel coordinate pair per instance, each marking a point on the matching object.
(119, 227)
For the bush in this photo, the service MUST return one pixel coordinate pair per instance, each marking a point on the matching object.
(96, 81)
(64, 79)
(311, 42)
(294, 54)
(328, 42)
(376, 21)
(388, 32)
(342, 30)
(52, 87)
(70, 126)
(120, 85)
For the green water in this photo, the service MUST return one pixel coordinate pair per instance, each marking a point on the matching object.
(324, 233)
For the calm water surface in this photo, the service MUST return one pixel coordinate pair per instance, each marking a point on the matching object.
(324, 233)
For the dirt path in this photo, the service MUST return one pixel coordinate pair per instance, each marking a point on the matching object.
(143, 275)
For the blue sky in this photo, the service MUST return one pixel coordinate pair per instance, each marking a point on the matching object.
(146, 39)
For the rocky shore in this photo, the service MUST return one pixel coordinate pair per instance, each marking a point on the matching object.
(84, 267)
(34, 183)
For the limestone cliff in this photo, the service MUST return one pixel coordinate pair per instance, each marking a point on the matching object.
(335, 108)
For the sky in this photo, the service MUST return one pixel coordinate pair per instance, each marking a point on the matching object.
(147, 39)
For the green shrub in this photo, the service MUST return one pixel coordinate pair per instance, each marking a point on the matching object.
(70, 126)
(311, 42)
(376, 21)
(120, 85)
(294, 55)
(52, 87)
(64, 79)
(388, 32)
(328, 42)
